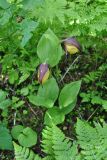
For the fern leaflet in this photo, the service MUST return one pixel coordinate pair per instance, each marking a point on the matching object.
(22, 153)
(92, 141)
(56, 145)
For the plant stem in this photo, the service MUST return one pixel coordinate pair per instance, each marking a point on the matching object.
(68, 69)
(14, 121)
(92, 114)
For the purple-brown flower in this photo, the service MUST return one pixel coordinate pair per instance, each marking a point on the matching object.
(43, 73)
(71, 45)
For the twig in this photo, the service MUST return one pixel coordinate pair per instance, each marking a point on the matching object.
(23, 98)
(70, 138)
(69, 68)
(92, 114)
(14, 121)
(32, 109)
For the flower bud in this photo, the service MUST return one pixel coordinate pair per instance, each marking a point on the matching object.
(43, 73)
(70, 45)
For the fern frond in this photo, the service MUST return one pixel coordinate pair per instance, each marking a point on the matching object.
(92, 141)
(47, 158)
(56, 145)
(51, 9)
(22, 153)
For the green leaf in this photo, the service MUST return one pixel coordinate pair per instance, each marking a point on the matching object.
(24, 91)
(2, 95)
(18, 104)
(23, 153)
(31, 4)
(28, 138)
(49, 49)
(49, 90)
(51, 10)
(26, 38)
(5, 113)
(16, 130)
(69, 93)
(5, 17)
(7, 61)
(47, 94)
(54, 115)
(24, 77)
(85, 97)
(27, 27)
(104, 104)
(41, 101)
(13, 76)
(96, 100)
(4, 103)
(15, 99)
(4, 4)
(5, 139)
(69, 108)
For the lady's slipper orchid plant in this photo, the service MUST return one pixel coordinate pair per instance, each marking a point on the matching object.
(70, 45)
(43, 73)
